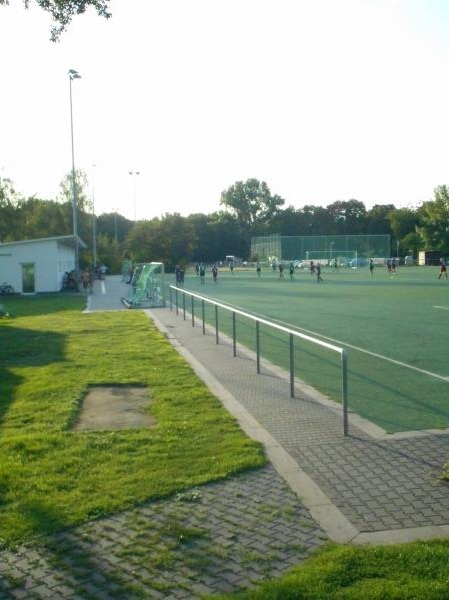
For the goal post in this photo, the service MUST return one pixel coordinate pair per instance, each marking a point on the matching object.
(343, 258)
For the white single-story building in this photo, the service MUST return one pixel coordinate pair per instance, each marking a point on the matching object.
(36, 266)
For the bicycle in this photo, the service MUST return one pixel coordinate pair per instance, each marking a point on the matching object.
(6, 289)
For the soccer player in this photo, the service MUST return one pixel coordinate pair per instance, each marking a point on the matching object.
(393, 266)
(291, 270)
(371, 266)
(202, 273)
(258, 269)
(318, 272)
(214, 273)
(312, 267)
(443, 268)
(281, 271)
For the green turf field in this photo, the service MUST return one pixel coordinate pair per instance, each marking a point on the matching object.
(394, 327)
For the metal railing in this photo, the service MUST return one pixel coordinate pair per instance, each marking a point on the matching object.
(259, 321)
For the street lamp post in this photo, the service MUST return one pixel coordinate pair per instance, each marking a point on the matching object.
(133, 173)
(94, 223)
(74, 75)
(115, 227)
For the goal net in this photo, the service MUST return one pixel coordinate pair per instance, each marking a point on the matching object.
(340, 259)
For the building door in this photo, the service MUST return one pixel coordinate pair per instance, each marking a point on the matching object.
(28, 284)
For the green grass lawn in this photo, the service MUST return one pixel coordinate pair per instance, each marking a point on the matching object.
(386, 323)
(52, 477)
(417, 571)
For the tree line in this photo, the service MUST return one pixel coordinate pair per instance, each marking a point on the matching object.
(248, 209)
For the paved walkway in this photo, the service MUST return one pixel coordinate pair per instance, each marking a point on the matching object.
(367, 487)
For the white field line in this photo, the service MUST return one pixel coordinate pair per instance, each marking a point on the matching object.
(386, 358)
(442, 307)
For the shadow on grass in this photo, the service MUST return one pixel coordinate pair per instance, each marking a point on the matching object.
(27, 347)
(10, 382)
(24, 348)
(26, 306)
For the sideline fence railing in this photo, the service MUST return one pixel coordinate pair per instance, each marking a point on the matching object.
(175, 292)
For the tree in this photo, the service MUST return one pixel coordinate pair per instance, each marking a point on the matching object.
(169, 239)
(62, 11)
(434, 228)
(315, 220)
(288, 222)
(349, 217)
(10, 221)
(44, 218)
(252, 203)
(404, 223)
(378, 221)
(83, 203)
(114, 225)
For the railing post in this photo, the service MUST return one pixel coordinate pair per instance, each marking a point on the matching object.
(292, 334)
(216, 324)
(344, 390)
(204, 317)
(258, 346)
(292, 368)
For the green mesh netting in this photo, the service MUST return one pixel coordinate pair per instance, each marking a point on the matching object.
(303, 246)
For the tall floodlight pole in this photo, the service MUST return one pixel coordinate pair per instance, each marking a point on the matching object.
(133, 174)
(74, 75)
(115, 226)
(94, 223)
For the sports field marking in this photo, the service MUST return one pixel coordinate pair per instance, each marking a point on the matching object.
(381, 356)
(442, 307)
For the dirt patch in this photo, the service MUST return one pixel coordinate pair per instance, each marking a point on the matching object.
(114, 407)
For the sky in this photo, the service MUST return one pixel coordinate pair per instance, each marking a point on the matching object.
(324, 100)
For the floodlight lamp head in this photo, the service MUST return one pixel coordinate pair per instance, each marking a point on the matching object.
(74, 74)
